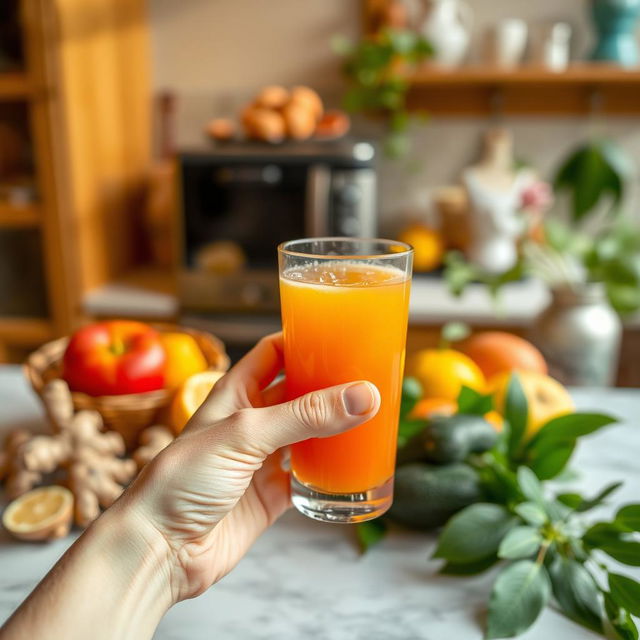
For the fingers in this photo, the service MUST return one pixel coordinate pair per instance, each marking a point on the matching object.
(315, 415)
(241, 385)
(275, 394)
(261, 365)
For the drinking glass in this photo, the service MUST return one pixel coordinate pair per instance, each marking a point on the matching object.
(344, 305)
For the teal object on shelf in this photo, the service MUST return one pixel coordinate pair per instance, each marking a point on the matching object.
(615, 24)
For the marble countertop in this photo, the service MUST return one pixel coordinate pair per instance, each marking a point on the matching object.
(305, 579)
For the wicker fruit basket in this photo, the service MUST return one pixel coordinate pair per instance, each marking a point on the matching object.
(126, 414)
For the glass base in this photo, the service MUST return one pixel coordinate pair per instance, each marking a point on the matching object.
(341, 507)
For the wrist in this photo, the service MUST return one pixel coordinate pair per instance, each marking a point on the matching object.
(138, 562)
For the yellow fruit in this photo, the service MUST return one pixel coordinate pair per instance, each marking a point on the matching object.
(442, 372)
(190, 396)
(546, 397)
(184, 358)
(40, 514)
(428, 246)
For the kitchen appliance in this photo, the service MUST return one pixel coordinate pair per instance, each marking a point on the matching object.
(238, 201)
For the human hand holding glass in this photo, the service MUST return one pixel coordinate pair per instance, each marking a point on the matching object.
(194, 511)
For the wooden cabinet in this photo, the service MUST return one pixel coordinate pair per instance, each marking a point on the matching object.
(84, 80)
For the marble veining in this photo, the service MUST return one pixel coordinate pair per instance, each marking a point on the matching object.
(305, 579)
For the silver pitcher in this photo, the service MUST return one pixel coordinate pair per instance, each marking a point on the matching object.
(579, 335)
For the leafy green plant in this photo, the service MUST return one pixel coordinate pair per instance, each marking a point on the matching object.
(547, 548)
(592, 173)
(584, 248)
(377, 69)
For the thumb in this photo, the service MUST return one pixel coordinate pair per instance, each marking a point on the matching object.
(314, 415)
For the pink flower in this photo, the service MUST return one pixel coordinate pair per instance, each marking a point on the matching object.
(536, 196)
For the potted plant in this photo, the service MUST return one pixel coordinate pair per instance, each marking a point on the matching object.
(590, 260)
(377, 69)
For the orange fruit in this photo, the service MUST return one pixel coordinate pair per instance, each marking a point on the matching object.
(498, 352)
(494, 419)
(428, 246)
(443, 372)
(184, 358)
(190, 396)
(546, 397)
(428, 407)
(40, 514)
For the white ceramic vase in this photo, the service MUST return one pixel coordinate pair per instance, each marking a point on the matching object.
(447, 26)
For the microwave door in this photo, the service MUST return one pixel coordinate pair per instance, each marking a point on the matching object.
(317, 201)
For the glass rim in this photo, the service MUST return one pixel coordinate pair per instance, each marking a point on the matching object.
(406, 249)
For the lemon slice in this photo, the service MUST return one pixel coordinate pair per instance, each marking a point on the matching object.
(190, 396)
(40, 514)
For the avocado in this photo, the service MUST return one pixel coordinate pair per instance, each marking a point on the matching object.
(447, 439)
(426, 496)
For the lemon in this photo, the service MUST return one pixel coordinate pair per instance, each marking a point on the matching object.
(40, 514)
(546, 397)
(443, 372)
(190, 396)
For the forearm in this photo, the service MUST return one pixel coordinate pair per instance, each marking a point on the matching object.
(112, 583)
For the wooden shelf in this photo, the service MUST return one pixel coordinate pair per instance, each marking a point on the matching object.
(25, 331)
(19, 216)
(14, 84)
(477, 90)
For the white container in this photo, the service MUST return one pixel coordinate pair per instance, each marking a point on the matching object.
(506, 43)
(551, 46)
(447, 27)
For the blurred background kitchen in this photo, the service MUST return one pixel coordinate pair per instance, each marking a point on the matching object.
(153, 154)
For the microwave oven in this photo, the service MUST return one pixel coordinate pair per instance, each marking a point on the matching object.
(240, 200)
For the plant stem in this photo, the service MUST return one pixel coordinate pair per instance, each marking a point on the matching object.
(543, 551)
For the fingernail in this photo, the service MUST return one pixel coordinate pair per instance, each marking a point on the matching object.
(358, 399)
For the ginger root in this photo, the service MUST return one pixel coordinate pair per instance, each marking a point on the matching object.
(96, 474)
(152, 441)
(17, 478)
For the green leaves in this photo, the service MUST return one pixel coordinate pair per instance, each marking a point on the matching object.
(471, 402)
(531, 513)
(370, 533)
(613, 539)
(548, 452)
(519, 594)
(576, 502)
(407, 427)
(376, 69)
(520, 542)
(626, 592)
(541, 538)
(591, 173)
(624, 551)
(570, 427)
(576, 592)
(411, 393)
(516, 413)
(474, 533)
(530, 486)
(620, 619)
(629, 517)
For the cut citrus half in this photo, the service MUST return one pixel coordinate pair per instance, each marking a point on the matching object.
(190, 396)
(40, 514)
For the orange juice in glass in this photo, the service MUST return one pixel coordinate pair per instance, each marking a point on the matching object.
(344, 308)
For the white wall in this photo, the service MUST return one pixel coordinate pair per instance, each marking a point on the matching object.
(214, 53)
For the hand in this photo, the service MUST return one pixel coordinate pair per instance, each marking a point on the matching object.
(220, 484)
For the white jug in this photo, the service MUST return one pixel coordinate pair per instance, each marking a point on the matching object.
(447, 26)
